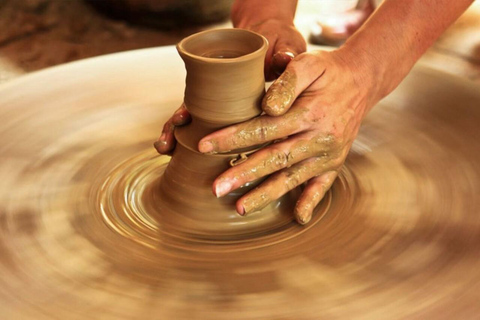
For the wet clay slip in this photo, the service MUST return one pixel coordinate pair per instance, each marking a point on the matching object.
(224, 85)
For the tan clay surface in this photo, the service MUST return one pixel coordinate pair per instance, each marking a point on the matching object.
(225, 81)
(397, 237)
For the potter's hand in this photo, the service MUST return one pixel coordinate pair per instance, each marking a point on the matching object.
(284, 43)
(317, 104)
(166, 142)
(274, 20)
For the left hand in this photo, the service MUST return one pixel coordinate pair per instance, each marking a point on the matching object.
(316, 107)
(284, 43)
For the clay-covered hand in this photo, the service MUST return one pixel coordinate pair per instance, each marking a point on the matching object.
(166, 142)
(284, 43)
(315, 109)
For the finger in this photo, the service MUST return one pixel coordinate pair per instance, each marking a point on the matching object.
(284, 45)
(181, 116)
(254, 132)
(287, 48)
(166, 142)
(271, 159)
(281, 59)
(312, 195)
(282, 182)
(300, 73)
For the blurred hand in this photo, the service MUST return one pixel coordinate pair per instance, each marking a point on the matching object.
(315, 107)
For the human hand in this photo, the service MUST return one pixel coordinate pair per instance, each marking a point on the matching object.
(166, 142)
(284, 43)
(315, 107)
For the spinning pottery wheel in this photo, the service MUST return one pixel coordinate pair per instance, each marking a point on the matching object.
(398, 236)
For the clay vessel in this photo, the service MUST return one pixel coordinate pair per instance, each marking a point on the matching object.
(224, 86)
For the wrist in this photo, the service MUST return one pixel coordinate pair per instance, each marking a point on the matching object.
(367, 72)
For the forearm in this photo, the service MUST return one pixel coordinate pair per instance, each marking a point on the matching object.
(385, 49)
(250, 12)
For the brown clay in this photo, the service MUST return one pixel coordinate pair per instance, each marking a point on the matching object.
(224, 85)
(225, 81)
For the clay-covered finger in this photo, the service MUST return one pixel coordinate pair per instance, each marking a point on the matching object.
(312, 195)
(271, 159)
(166, 142)
(286, 48)
(300, 73)
(255, 132)
(181, 116)
(281, 182)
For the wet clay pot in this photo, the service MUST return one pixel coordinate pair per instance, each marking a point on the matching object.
(224, 86)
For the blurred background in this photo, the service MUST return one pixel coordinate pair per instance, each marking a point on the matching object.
(36, 34)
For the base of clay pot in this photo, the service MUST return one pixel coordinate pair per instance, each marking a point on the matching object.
(218, 219)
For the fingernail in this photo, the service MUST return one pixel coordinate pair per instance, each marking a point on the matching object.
(240, 210)
(159, 145)
(281, 60)
(179, 119)
(303, 219)
(205, 146)
(222, 188)
(284, 56)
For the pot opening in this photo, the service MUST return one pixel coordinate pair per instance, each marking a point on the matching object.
(222, 44)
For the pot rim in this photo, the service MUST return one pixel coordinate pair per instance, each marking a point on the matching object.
(260, 51)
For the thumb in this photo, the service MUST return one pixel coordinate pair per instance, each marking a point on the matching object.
(286, 48)
(299, 74)
(281, 59)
